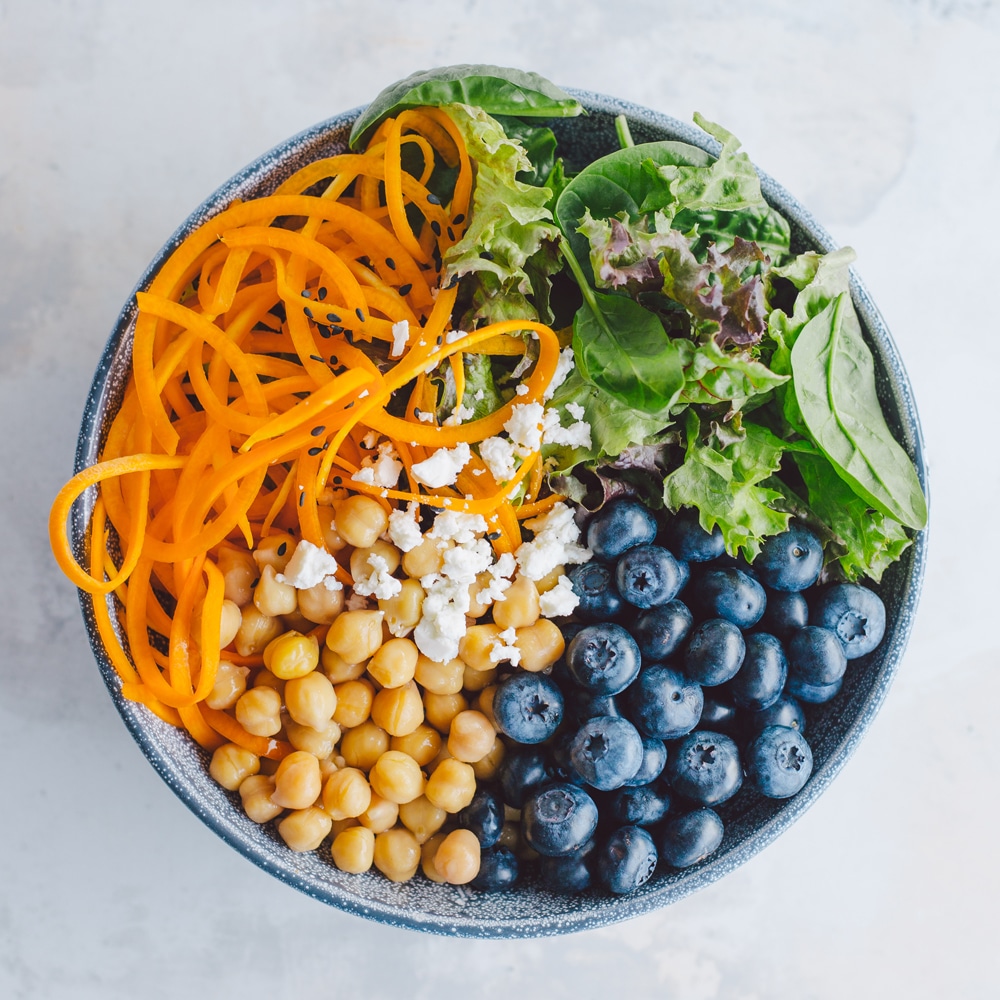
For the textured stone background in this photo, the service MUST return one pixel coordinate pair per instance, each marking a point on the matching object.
(117, 118)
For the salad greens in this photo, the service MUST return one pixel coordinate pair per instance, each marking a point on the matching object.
(715, 368)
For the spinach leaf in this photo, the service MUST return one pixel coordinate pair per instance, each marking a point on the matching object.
(498, 90)
(540, 145)
(758, 224)
(834, 380)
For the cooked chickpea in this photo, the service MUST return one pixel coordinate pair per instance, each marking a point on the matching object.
(291, 655)
(380, 815)
(427, 852)
(273, 597)
(360, 566)
(423, 744)
(340, 825)
(475, 680)
(264, 678)
(363, 745)
(458, 857)
(231, 764)
(320, 742)
(258, 711)
(319, 604)
(422, 818)
(550, 580)
(396, 854)
(439, 678)
(471, 736)
(476, 645)
(356, 635)
(520, 606)
(276, 551)
(487, 768)
(425, 558)
(395, 663)
(360, 520)
(541, 645)
(230, 620)
(354, 702)
(451, 786)
(478, 608)
(485, 703)
(397, 777)
(402, 612)
(331, 537)
(337, 669)
(256, 630)
(230, 683)
(346, 794)
(240, 573)
(305, 829)
(353, 849)
(398, 710)
(255, 793)
(311, 699)
(297, 782)
(440, 709)
(296, 622)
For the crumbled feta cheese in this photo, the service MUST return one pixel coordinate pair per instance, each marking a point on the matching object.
(457, 526)
(556, 543)
(443, 467)
(379, 583)
(522, 389)
(426, 416)
(442, 620)
(387, 466)
(458, 415)
(310, 564)
(366, 474)
(479, 395)
(524, 427)
(498, 454)
(575, 436)
(575, 410)
(404, 531)
(400, 336)
(369, 441)
(503, 648)
(453, 336)
(561, 600)
(564, 366)
(499, 572)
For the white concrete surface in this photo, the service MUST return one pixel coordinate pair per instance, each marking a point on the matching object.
(117, 117)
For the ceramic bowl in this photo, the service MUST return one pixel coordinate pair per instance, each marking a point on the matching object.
(752, 822)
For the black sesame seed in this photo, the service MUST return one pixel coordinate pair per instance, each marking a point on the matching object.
(454, 281)
(337, 480)
(436, 228)
(390, 263)
(349, 405)
(433, 199)
(315, 357)
(282, 548)
(405, 289)
(316, 431)
(336, 329)
(333, 359)
(313, 452)
(493, 536)
(254, 584)
(305, 293)
(302, 499)
(325, 332)
(333, 317)
(308, 312)
(417, 411)
(321, 294)
(459, 219)
(451, 233)
(359, 314)
(486, 255)
(440, 340)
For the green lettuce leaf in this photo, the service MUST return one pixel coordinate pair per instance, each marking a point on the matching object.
(712, 375)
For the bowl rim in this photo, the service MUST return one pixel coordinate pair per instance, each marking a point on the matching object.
(136, 717)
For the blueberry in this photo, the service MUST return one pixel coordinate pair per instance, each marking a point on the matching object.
(626, 860)
(785, 612)
(791, 560)
(582, 705)
(642, 805)
(521, 774)
(664, 703)
(603, 659)
(606, 751)
(714, 652)
(683, 573)
(855, 613)
(595, 585)
(763, 674)
(528, 707)
(570, 873)
(618, 526)
(660, 631)
(691, 838)
(718, 715)
(779, 762)
(498, 869)
(732, 594)
(654, 759)
(647, 576)
(690, 541)
(706, 768)
(816, 656)
(559, 762)
(786, 711)
(483, 816)
(558, 819)
(812, 694)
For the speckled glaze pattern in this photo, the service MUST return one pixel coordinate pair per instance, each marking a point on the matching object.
(752, 822)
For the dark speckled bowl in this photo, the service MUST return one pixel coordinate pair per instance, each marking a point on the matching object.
(527, 911)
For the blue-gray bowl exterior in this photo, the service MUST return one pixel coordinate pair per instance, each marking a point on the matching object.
(528, 910)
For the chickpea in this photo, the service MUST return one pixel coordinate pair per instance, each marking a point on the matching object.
(439, 678)
(292, 655)
(541, 645)
(440, 709)
(485, 703)
(398, 710)
(479, 608)
(476, 645)
(361, 567)
(394, 664)
(397, 777)
(311, 699)
(471, 736)
(451, 786)
(402, 612)
(320, 742)
(475, 680)
(380, 815)
(359, 520)
(421, 818)
(397, 854)
(305, 829)
(264, 678)
(296, 622)
(363, 745)
(423, 744)
(321, 605)
(240, 573)
(458, 857)
(271, 597)
(331, 537)
(230, 619)
(256, 631)
(425, 558)
(337, 669)
(255, 793)
(231, 764)
(346, 794)
(276, 551)
(520, 607)
(258, 711)
(353, 849)
(297, 781)
(488, 767)
(230, 683)
(550, 580)
(354, 702)
(427, 853)
(340, 825)
(356, 635)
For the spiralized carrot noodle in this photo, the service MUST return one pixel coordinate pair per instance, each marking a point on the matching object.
(250, 397)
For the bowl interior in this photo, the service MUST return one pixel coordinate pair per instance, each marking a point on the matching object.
(527, 911)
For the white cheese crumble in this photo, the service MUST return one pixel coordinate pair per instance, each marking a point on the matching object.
(524, 427)
(522, 389)
(503, 648)
(556, 543)
(457, 526)
(499, 581)
(379, 583)
(404, 531)
(382, 471)
(400, 337)
(453, 336)
(443, 467)
(564, 366)
(561, 600)
(575, 410)
(498, 454)
(426, 416)
(458, 415)
(577, 435)
(310, 564)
